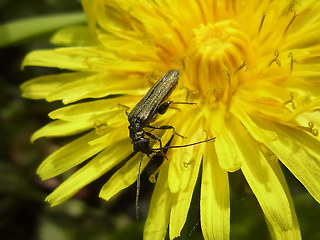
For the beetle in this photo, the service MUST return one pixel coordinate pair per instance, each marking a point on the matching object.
(146, 110)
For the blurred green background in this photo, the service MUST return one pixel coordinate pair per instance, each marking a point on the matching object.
(23, 212)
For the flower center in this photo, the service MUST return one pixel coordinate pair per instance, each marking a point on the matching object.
(219, 51)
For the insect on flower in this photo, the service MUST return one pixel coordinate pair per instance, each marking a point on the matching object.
(254, 74)
(145, 111)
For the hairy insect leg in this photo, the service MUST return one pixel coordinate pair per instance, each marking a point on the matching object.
(154, 137)
(164, 106)
(157, 139)
(166, 127)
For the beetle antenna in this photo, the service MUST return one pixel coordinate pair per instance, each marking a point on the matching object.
(138, 188)
(186, 145)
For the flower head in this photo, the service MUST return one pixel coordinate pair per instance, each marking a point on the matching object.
(251, 67)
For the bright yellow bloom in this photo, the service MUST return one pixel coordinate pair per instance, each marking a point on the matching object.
(251, 66)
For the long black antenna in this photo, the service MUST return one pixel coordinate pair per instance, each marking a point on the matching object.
(138, 188)
(186, 145)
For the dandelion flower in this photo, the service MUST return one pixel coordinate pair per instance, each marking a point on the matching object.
(251, 67)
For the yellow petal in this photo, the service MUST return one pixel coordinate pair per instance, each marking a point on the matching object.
(105, 64)
(278, 207)
(90, 9)
(124, 177)
(79, 35)
(132, 49)
(49, 58)
(94, 169)
(261, 135)
(69, 156)
(214, 201)
(188, 174)
(308, 28)
(97, 86)
(192, 130)
(159, 210)
(226, 140)
(61, 128)
(299, 152)
(268, 184)
(93, 113)
(103, 115)
(41, 87)
(71, 87)
(89, 110)
(109, 19)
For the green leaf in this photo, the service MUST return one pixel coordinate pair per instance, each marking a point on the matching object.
(20, 30)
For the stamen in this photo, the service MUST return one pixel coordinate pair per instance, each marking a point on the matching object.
(291, 21)
(227, 95)
(152, 178)
(311, 124)
(188, 93)
(276, 60)
(227, 75)
(214, 91)
(241, 66)
(293, 106)
(262, 21)
(291, 5)
(313, 131)
(191, 94)
(212, 94)
(152, 77)
(291, 61)
(100, 127)
(186, 164)
(182, 60)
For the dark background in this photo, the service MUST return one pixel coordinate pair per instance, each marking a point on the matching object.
(23, 212)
